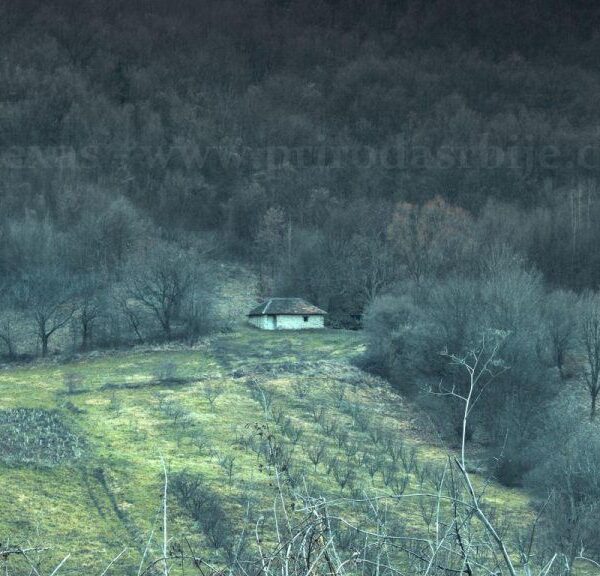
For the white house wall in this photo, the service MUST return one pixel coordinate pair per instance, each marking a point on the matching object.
(288, 322)
(285, 322)
(261, 322)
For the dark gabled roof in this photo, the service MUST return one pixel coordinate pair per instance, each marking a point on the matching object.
(288, 306)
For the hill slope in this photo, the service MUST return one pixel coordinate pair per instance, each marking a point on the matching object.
(83, 473)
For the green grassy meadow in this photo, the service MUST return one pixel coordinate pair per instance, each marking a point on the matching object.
(128, 415)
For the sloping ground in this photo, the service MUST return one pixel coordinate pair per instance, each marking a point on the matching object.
(202, 411)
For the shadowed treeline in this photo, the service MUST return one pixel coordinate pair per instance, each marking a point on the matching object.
(294, 127)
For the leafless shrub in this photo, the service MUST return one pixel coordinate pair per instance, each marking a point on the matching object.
(361, 419)
(300, 388)
(351, 449)
(343, 473)
(331, 463)
(436, 474)
(316, 452)
(408, 457)
(389, 473)
(261, 394)
(295, 476)
(376, 433)
(329, 425)
(212, 390)
(166, 371)
(227, 463)
(114, 404)
(73, 382)
(172, 409)
(423, 473)
(347, 538)
(200, 441)
(341, 437)
(317, 411)
(393, 444)
(293, 432)
(373, 463)
(280, 456)
(278, 414)
(394, 449)
(338, 390)
(399, 484)
(205, 508)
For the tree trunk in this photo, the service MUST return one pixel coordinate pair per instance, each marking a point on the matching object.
(8, 342)
(166, 325)
(560, 362)
(11, 349)
(593, 410)
(86, 334)
(45, 338)
(136, 328)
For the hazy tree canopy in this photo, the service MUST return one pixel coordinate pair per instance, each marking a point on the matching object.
(210, 116)
(432, 239)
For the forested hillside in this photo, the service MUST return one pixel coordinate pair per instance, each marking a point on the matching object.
(427, 171)
(290, 131)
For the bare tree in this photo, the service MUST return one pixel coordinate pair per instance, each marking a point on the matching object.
(374, 267)
(131, 312)
(316, 451)
(50, 300)
(271, 244)
(160, 281)
(561, 325)
(482, 364)
(589, 335)
(7, 335)
(7, 304)
(90, 306)
(227, 463)
(430, 239)
(212, 390)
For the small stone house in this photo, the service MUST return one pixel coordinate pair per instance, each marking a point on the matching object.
(287, 314)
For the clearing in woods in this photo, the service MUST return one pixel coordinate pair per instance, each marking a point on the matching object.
(104, 422)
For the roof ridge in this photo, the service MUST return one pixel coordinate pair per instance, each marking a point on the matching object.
(286, 305)
(284, 298)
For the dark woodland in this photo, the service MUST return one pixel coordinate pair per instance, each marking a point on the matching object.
(427, 172)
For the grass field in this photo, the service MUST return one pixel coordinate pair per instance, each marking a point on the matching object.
(95, 485)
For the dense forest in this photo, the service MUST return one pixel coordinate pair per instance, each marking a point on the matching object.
(427, 171)
(291, 130)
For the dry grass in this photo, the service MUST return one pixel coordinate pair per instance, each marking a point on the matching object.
(110, 497)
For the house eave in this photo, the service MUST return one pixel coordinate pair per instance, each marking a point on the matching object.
(288, 314)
